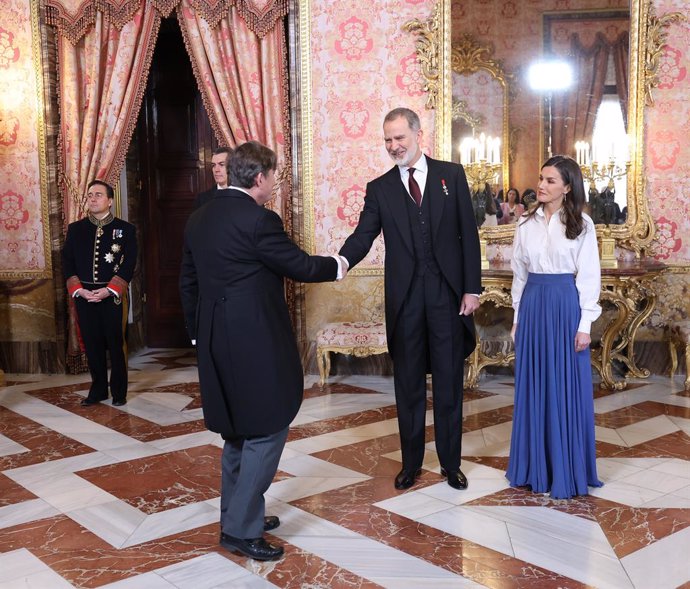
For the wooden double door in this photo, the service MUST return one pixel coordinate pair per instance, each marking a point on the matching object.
(175, 146)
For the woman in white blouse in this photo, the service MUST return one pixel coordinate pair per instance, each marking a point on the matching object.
(556, 285)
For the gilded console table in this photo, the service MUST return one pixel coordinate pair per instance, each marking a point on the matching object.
(627, 288)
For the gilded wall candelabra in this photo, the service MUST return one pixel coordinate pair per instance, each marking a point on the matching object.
(481, 173)
(596, 170)
(481, 158)
(600, 166)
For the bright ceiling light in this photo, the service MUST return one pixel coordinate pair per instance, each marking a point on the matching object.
(546, 76)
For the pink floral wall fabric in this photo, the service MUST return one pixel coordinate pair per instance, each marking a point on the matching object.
(667, 156)
(363, 65)
(24, 248)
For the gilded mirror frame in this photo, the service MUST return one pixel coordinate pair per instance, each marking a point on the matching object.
(468, 57)
(646, 40)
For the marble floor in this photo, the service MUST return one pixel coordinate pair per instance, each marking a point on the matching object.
(127, 497)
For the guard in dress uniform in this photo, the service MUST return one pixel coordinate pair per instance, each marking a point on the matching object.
(98, 260)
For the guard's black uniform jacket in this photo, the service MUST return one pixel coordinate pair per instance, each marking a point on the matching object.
(98, 254)
(101, 254)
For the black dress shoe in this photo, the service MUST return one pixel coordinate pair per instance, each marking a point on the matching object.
(256, 548)
(271, 522)
(88, 402)
(119, 402)
(456, 479)
(406, 478)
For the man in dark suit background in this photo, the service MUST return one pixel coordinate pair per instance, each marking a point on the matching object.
(432, 286)
(219, 160)
(235, 256)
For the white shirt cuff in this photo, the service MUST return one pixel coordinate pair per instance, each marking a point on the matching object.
(341, 260)
(585, 325)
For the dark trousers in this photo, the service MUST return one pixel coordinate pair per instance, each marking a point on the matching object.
(102, 327)
(248, 466)
(429, 329)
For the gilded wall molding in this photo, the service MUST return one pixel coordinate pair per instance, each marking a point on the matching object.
(427, 46)
(656, 34)
(468, 57)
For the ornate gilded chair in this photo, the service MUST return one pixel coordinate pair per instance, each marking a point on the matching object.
(357, 338)
(679, 335)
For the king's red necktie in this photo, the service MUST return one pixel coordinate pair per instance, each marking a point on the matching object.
(415, 192)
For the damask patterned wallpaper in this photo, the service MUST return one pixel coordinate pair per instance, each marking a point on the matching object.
(363, 65)
(667, 159)
(667, 169)
(23, 214)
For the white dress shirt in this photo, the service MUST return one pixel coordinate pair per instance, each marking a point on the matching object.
(544, 249)
(421, 170)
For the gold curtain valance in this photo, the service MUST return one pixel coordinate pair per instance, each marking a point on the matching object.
(73, 18)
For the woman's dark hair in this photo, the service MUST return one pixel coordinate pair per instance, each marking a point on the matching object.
(574, 202)
(247, 161)
(517, 195)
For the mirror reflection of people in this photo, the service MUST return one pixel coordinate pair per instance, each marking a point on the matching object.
(555, 292)
(512, 209)
(98, 261)
(432, 283)
(611, 210)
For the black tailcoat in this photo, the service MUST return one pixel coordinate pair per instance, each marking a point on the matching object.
(235, 256)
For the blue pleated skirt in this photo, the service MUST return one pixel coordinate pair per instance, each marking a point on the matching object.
(552, 448)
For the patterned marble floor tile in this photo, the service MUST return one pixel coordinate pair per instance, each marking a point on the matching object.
(11, 492)
(139, 494)
(122, 421)
(42, 443)
(162, 482)
(350, 509)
